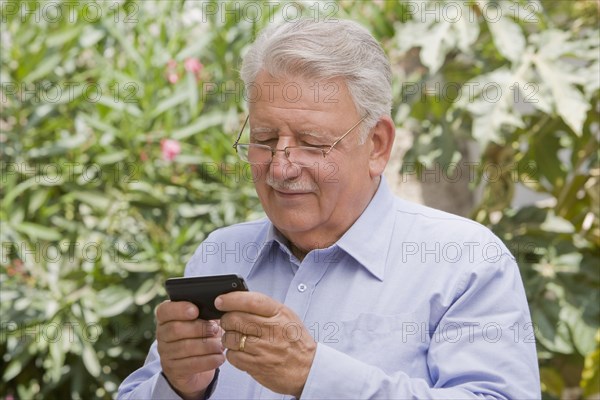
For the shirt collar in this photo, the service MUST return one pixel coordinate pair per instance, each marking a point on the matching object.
(367, 240)
(272, 239)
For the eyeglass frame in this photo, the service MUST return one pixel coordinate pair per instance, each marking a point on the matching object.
(285, 149)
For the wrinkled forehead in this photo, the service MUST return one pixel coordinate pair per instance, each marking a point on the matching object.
(293, 90)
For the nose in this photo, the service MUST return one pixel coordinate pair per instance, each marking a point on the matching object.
(282, 169)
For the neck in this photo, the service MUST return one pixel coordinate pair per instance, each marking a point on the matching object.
(298, 252)
(301, 244)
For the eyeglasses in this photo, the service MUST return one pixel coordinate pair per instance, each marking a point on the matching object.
(303, 156)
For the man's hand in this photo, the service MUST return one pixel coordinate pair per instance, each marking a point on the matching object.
(278, 350)
(190, 349)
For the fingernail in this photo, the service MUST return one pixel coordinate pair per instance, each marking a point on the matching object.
(218, 302)
(214, 328)
(190, 312)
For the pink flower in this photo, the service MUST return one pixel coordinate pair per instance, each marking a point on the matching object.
(193, 65)
(170, 149)
(172, 77)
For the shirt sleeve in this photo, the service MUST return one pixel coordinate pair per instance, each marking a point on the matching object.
(147, 382)
(483, 347)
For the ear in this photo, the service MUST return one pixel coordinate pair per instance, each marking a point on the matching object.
(381, 142)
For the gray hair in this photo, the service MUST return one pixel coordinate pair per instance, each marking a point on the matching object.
(326, 50)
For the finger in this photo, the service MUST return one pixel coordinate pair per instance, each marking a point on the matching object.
(250, 302)
(177, 330)
(176, 311)
(241, 360)
(249, 324)
(190, 348)
(233, 341)
(186, 366)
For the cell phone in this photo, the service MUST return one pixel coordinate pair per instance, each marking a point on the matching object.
(203, 290)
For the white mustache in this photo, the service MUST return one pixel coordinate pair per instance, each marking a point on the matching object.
(289, 186)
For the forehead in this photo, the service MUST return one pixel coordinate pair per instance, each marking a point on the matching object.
(296, 92)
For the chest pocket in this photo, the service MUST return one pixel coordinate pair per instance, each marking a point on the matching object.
(390, 342)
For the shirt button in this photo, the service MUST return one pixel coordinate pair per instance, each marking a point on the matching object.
(302, 287)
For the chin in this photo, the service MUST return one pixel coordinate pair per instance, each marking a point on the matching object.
(292, 222)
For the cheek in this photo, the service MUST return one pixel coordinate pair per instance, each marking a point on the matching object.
(339, 173)
(258, 173)
(328, 173)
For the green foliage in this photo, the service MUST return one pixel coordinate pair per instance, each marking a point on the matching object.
(94, 217)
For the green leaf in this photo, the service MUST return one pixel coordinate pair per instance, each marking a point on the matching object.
(177, 98)
(47, 65)
(36, 200)
(37, 231)
(583, 334)
(192, 87)
(560, 76)
(120, 106)
(146, 291)
(551, 333)
(591, 371)
(128, 47)
(95, 199)
(113, 300)
(139, 266)
(57, 354)
(551, 381)
(16, 365)
(467, 29)
(192, 159)
(204, 122)
(194, 210)
(112, 157)
(554, 223)
(434, 52)
(60, 38)
(570, 103)
(508, 37)
(17, 190)
(90, 359)
(91, 36)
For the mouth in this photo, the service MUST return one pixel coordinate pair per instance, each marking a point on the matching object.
(289, 193)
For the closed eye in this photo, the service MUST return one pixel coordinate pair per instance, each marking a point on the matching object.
(315, 145)
(312, 139)
(263, 140)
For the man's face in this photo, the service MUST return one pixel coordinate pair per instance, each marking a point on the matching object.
(311, 206)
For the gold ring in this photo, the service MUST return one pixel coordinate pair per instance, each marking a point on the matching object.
(242, 343)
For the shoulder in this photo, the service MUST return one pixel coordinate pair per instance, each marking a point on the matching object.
(425, 225)
(428, 214)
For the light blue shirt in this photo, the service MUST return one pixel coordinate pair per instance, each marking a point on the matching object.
(410, 303)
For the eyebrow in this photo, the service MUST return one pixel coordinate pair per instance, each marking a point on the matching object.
(315, 134)
(305, 133)
(254, 131)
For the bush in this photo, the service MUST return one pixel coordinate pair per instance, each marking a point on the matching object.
(116, 131)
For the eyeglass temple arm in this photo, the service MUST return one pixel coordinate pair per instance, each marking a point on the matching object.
(345, 134)
(240, 134)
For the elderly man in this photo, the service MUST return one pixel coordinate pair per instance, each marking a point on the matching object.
(355, 294)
